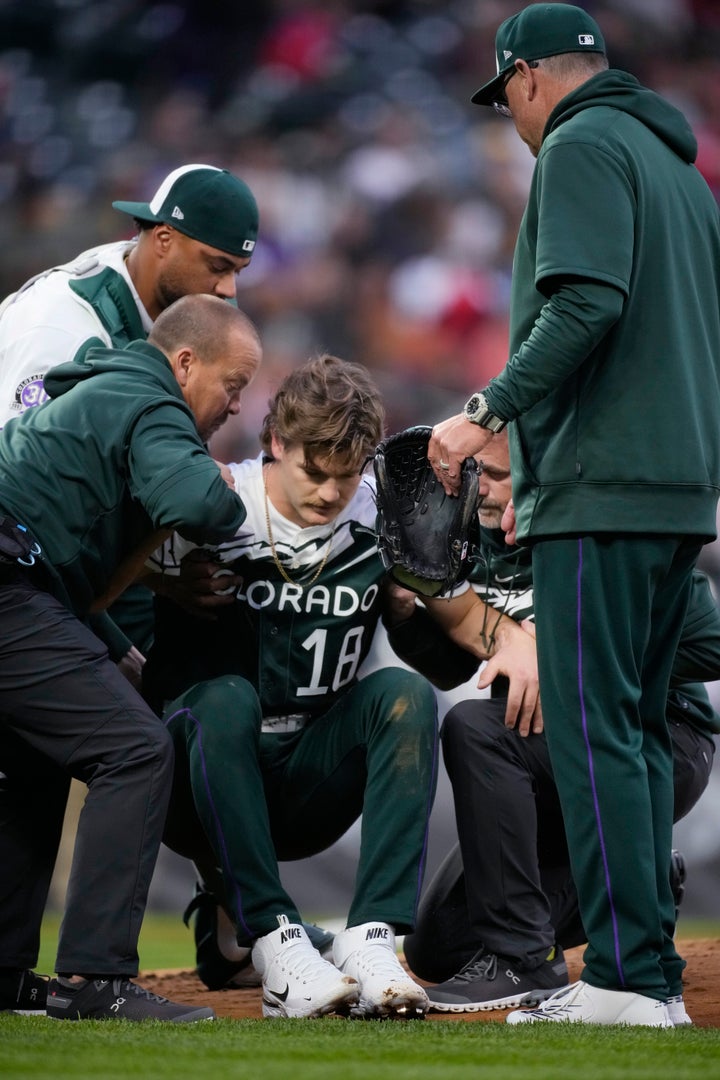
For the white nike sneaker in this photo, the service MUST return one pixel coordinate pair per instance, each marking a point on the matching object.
(296, 981)
(581, 1003)
(677, 1012)
(367, 953)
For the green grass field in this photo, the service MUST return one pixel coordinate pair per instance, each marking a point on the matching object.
(335, 1049)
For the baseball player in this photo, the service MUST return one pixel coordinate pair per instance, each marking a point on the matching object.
(613, 387)
(125, 430)
(196, 233)
(494, 921)
(279, 746)
(194, 236)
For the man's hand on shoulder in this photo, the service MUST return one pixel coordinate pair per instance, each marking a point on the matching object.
(226, 474)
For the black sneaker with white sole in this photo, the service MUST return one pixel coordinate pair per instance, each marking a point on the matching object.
(116, 999)
(495, 982)
(222, 964)
(22, 991)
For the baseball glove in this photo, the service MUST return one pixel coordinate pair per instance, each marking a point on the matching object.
(426, 538)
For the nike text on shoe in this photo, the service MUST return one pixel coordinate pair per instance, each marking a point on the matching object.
(495, 982)
(296, 981)
(221, 962)
(367, 953)
(677, 1012)
(22, 991)
(581, 1003)
(116, 999)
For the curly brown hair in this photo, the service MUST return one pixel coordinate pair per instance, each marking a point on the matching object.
(328, 406)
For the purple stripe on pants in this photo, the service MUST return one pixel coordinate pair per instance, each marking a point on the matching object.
(591, 770)
(230, 881)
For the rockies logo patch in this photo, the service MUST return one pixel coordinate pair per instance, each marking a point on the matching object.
(29, 393)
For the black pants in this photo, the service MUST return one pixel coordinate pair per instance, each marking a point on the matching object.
(507, 886)
(66, 711)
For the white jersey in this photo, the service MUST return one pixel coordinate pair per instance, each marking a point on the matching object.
(45, 322)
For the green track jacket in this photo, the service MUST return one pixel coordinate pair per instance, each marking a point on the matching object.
(114, 455)
(614, 370)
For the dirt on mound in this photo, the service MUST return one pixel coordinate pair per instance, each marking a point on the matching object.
(702, 989)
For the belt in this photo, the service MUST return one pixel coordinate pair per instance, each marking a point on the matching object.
(277, 725)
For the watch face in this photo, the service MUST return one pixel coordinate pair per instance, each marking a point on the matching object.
(473, 404)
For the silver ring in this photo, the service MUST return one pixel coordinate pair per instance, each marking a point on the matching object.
(443, 465)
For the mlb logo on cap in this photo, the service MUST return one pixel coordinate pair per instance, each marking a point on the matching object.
(537, 32)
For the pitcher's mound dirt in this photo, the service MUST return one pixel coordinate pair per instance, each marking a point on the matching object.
(702, 988)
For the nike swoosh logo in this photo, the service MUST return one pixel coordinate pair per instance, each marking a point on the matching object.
(281, 995)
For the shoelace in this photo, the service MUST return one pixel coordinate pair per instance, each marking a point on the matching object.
(306, 961)
(377, 960)
(482, 966)
(124, 986)
(561, 1002)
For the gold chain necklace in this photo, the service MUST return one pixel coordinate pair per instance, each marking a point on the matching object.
(273, 549)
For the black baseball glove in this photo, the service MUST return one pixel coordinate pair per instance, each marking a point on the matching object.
(426, 538)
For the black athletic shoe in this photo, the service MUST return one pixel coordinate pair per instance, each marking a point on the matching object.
(116, 999)
(222, 963)
(23, 992)
(494, 982)
(678, 873)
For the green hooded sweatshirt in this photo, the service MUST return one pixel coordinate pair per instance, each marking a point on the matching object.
(114, 455)
(614, 372)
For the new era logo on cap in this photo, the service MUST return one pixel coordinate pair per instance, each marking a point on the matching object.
(205, 203)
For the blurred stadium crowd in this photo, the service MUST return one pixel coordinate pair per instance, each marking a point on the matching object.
(389, 204)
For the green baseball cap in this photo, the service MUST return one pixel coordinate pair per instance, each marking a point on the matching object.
(538, 31)
(207, 204)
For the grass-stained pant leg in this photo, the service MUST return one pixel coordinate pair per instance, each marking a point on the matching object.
(609, 612)
(373, 753)
(218, 815)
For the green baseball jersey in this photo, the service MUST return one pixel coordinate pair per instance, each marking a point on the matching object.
(299, 642)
